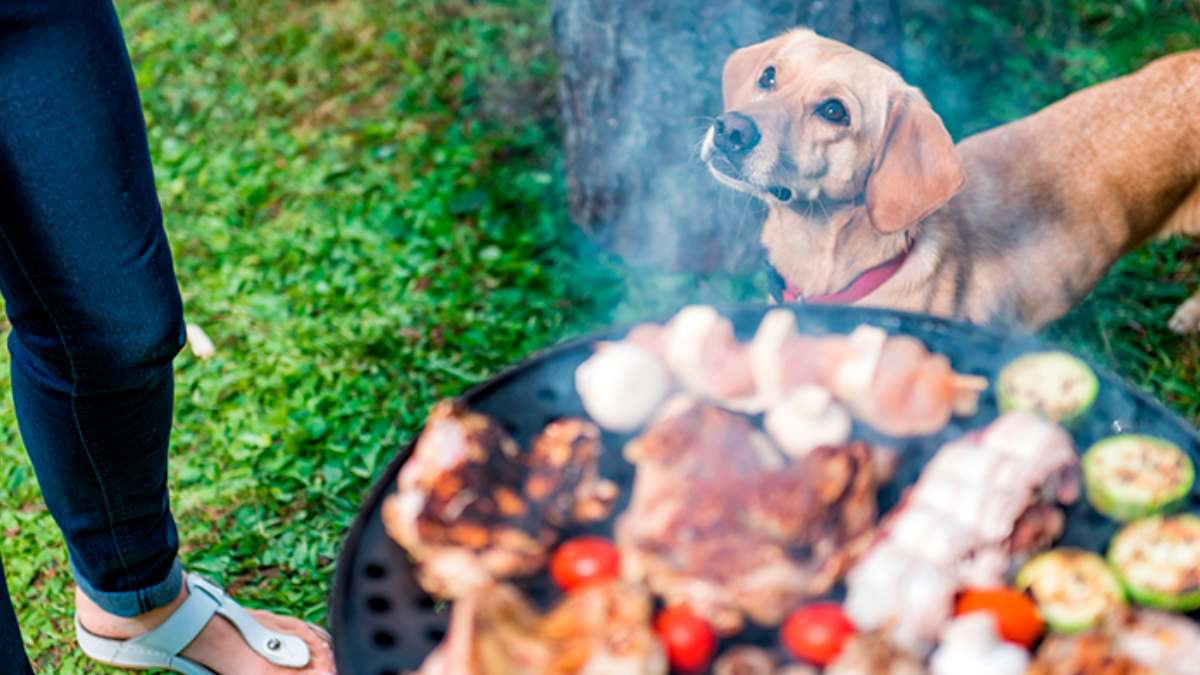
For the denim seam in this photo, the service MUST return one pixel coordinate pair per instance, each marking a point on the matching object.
(74, 410)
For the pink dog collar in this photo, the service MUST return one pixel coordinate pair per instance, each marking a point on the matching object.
(862, 286)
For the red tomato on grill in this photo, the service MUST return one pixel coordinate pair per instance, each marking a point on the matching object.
(689, 640)
(817, 633)
(1017, 617)
(581, 560)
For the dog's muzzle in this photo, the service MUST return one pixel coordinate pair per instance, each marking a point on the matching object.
(735, 135)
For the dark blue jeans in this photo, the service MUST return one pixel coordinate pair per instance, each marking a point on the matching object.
(87, 278)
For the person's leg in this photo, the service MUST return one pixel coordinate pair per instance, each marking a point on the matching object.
(12, 648)
(87, 275)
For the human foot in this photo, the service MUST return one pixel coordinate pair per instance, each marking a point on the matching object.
(219, 646)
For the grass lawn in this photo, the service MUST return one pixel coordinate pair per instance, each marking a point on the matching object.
(365, 203)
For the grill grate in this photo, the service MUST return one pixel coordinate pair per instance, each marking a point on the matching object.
(384, 624)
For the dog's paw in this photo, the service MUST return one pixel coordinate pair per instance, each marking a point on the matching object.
(1186, 320)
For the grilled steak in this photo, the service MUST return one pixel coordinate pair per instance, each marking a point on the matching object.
(719, 521)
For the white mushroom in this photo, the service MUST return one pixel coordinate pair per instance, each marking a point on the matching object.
(970, 645)
(622, 385)
(684, 345)
(853, 379)
(694, 343)
(766, 351)
(808, 418)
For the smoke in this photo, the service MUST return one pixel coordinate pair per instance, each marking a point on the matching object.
(641, 83)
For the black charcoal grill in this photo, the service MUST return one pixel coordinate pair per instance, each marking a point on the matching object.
(384, 624)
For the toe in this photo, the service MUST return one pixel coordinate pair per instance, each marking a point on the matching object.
(1186, 319)
(321, 633)
(320, 652)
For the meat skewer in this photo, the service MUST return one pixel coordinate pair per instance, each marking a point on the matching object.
(982, 501)
(891, 383)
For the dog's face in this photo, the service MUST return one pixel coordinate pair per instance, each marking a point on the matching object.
(814, 127)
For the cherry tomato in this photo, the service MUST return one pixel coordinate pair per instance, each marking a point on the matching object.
(689, 640)
(1017, 617)
(817, 633)
(581, 560)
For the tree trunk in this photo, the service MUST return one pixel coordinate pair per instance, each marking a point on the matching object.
(640, 80)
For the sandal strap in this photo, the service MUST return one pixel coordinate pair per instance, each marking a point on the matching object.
(280, 649)
(178, 631)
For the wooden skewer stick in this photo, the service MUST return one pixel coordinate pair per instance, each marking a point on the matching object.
(969, 382)
(966, 393)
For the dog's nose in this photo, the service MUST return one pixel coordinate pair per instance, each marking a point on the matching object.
(735, 133)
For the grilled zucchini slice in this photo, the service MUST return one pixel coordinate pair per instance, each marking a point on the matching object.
(1055, 385)
(1132, 476)
(1158, 561)
(1074, 589)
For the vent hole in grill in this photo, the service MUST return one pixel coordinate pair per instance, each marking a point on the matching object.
(384, 639)
(426, 602)
(375, 571)
(435, 634)
(378, 604)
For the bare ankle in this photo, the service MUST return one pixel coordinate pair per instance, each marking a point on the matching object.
(105, 624)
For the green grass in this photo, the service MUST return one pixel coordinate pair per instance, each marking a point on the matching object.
(365, 202)
(361, 230)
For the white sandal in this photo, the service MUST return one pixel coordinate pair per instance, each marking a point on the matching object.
(160, 647)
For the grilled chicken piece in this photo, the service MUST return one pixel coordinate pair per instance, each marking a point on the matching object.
(983, 500)
(718, 521)
(1166, 643)
(602, 629)
(756, 661)
(471, 506)
(1086, 654)
(874, 654)
(1135, 642)
(563, 480)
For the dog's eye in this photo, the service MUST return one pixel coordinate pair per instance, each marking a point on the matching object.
(834, 111)
(766, 81)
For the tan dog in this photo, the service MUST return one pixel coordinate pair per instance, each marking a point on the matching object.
(871, 202)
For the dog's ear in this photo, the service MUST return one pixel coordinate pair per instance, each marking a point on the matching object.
(917, 169)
